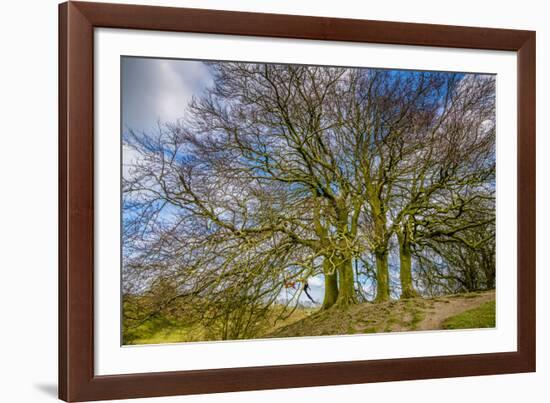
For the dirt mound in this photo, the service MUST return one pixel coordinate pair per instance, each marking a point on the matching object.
(392, 316)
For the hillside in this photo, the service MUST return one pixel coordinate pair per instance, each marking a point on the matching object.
(461, 311)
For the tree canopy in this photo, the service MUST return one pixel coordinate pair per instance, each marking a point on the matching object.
(278, 174)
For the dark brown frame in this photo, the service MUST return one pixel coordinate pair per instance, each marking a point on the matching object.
(77, 381)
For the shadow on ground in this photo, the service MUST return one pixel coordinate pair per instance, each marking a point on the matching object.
(47, 388)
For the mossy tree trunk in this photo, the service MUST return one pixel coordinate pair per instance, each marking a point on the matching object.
(346, 276)
(381, 252)
(330, 271)
(382, 276)
(405, 271)
(346, 292)
(331, 285)
(405, 262)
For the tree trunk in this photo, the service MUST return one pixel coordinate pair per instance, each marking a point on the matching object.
(405, 270)
(346, 292)
(346, 276)
(489, 269)
(381, 251)
(382, 277)
(331, 287)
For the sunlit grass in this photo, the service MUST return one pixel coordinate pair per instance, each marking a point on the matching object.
(483, 316)
(160, 330)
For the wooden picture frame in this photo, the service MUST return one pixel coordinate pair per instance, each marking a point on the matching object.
(77, 381)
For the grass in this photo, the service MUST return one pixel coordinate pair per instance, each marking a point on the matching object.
(397, 316)
(173, 334)
(417, 317)
(161, 330)
(481, 317)
(393, 316)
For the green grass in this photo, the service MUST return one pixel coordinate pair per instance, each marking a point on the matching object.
(160, 330)
(393, 316)
(169, 335)
(480, 317)
(418, 316)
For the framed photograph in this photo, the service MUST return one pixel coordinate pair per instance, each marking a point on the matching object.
(256, 201)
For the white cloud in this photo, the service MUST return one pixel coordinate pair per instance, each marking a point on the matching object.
(159, 89)
(129, 158)
(317, 281)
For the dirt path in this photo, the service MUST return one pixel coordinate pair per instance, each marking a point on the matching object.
(439, 309)
(392, 316)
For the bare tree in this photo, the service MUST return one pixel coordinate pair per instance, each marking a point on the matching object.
(280, 173)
